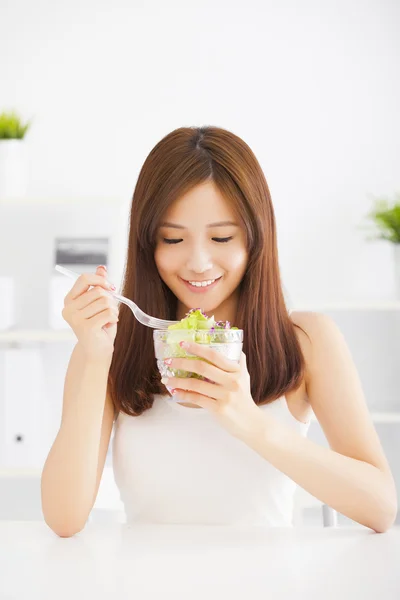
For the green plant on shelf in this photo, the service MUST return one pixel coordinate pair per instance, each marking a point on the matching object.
(385, 216)
(11, 126)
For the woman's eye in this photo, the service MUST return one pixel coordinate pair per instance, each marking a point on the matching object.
(220, 240)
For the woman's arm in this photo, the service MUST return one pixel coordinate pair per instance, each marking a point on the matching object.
(72, 471)
(353, 475)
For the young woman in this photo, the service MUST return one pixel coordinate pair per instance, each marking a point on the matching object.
(232, 449)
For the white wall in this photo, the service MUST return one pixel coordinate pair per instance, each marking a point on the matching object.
(312, 87)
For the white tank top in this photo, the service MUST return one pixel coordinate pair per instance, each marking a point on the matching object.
(176, 465)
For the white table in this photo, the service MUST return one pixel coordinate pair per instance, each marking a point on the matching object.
(198, 562)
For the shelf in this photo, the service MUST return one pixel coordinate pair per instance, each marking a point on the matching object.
(20, 472)
(383, 306)
(37, 335)
(378, 417)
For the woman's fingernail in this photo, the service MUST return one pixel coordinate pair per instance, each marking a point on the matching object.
(103, 266)
(112, 287)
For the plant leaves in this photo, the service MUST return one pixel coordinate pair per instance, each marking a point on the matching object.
(11, 126)
(386, 219)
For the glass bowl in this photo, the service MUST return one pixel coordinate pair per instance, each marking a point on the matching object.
(227, 341)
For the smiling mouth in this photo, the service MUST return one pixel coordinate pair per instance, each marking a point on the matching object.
(204, 280)
(201, 287)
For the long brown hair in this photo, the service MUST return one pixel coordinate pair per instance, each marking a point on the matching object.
(183, 159)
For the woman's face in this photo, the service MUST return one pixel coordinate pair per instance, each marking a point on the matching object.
(199, 250)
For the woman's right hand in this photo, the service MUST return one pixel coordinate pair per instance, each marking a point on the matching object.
(92, 314)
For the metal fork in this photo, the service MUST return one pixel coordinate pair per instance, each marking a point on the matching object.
(141, 316)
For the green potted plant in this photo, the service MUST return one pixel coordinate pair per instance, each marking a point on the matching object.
(13, 155)
(386, 218)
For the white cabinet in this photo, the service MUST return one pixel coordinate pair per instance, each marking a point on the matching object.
(22, 423)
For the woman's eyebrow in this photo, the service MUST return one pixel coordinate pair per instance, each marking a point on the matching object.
(219, 224)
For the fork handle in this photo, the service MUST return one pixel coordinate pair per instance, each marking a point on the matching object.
(73, 275)
(67, 272)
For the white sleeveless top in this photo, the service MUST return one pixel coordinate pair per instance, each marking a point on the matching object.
(176, 465)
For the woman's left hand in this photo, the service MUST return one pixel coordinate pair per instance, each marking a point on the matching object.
(227, 395)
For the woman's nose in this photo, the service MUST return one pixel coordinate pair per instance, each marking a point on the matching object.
(199, 261)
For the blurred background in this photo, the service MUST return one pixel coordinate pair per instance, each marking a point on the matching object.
(312, 87)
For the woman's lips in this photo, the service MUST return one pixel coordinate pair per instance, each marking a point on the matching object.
(198, 289)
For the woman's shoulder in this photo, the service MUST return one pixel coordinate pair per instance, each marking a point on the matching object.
(310, 327)
(306, 315)
(311, 321)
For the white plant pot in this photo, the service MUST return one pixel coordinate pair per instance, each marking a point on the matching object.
(13, 168)
(396, 251)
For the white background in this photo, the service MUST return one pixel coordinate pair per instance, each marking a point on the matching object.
(312, 87)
